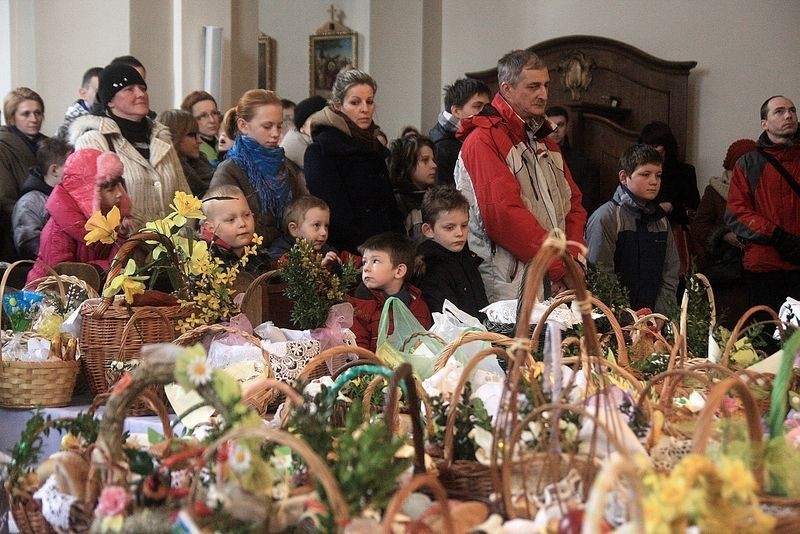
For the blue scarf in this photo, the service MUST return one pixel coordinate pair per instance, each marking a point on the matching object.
(266, 170)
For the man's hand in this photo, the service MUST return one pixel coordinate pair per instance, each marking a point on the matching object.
(730, 238)
(787, 245)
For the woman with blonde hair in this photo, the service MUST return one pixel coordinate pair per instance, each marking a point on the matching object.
(187, 140)
(257, 165)
(23, 111)
(345, 165)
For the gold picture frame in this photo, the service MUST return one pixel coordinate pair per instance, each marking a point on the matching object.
(266, 62)
(328, 54)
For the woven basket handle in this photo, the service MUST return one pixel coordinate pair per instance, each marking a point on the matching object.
(317, 466)
(516, 434)
(421, 393)
(111, 459)
(125, 251)
(468, 336)
(685, 311)
(604, 484)
(737, 330)
(249, 293)
(325, 355)
(458, 391)
(405, 373)
(713, 403)
(568, 297)
(258, 399)
(4, 282)
(144, 312)
(428, 480)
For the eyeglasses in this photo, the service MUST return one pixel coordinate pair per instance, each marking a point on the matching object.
(209, 115)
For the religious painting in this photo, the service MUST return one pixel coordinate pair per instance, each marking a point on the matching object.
(329, 54)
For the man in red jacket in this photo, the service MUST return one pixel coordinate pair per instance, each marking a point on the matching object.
(515, 178)
(764, 206)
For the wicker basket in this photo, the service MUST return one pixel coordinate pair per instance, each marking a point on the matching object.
(257, 400)
(29, 384)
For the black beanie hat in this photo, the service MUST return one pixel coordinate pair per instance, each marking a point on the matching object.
(114, 78)
(305, 108)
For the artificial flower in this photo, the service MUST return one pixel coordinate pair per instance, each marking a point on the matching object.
(738, 481)
(186, 206)
(240, 458)
(198, 370)
(113, 501)
(126, 281)
(184, 363)
(102, 228)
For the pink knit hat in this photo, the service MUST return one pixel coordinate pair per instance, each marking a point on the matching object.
(84, 171)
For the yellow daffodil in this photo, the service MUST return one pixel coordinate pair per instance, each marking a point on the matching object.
(126, 281)
(102, 228)
(738, 481)
(186, 206)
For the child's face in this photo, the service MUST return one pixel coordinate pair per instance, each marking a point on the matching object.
(450, 229)
(425, 171)
(111, 193)
(380, 274)
(644, 183)
(232, 221)
(314, 227)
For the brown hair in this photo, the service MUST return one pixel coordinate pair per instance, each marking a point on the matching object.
(401, 250)
(347, 79)
(14, 98)
(252, 100)
(194, 97)
(403, 159)
(229, 124)
(296, 210)
(180, 122)
(439, 199)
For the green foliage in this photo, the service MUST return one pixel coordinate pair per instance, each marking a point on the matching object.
(360, 454)
(469, 414)
(25, 453)
(656, 363)
(312, 288)
(606, 286)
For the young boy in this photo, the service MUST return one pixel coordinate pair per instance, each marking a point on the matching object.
(30, 215)
(388, 259)
(306, 217)
(229, 227)
(451, 269)
(630, 234)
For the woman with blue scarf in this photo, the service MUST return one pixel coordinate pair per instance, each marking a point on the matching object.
(257, 165)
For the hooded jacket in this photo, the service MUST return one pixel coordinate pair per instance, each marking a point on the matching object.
(518, 189)
(70, 205)
(151, 183)
(30, 215)
(368, 307)
(353, 179)
(447, 149)
(631, 239)
(760, 200)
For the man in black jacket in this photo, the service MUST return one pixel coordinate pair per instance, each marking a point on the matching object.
(579, 164)
(464, 98)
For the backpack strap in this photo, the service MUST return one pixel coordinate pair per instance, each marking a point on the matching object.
(782, 170)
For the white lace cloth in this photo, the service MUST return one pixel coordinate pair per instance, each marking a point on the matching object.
(55, 505)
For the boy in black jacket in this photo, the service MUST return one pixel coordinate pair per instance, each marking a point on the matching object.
(451, 269)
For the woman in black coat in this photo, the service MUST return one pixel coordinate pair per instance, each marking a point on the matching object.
(345, 165)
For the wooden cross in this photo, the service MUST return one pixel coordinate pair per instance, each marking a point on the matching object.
(333, 13)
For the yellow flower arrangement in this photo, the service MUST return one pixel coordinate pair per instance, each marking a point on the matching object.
(716, 498)
(201, 282)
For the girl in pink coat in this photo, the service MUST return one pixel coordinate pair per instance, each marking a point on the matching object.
(92, 181)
